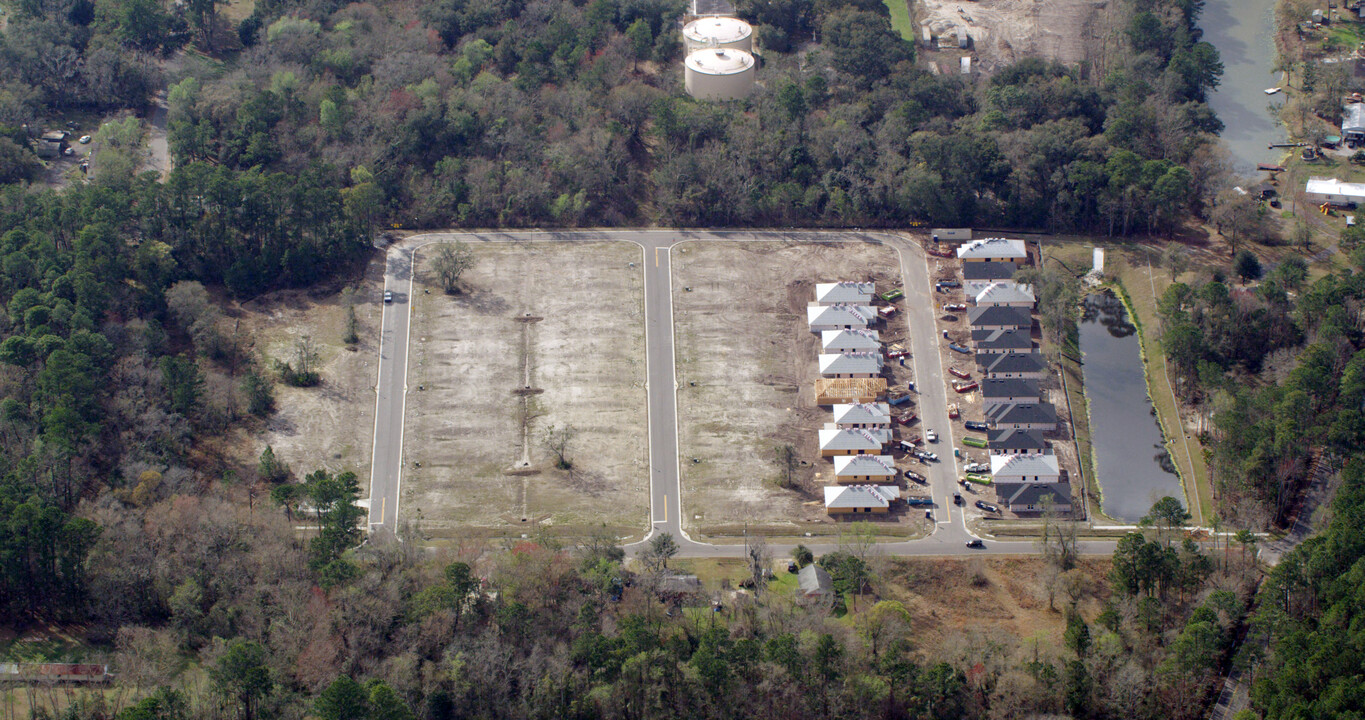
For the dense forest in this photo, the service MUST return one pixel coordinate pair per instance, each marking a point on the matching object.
(305, 128)
(516, 113)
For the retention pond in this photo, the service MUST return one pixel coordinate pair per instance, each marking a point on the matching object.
(1131, 462)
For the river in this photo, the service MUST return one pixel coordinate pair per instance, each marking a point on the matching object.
(1131, 462)
(1244, 33)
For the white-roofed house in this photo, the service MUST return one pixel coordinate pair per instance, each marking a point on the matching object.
(837, 341)
(1008, 294)
(993, 250)
(844, 293)
(862, 415)
(839, 317)
(1025, 469)
(851, 365)
(1331, 190)
(852, 441)
(860, 499)
(864, 469)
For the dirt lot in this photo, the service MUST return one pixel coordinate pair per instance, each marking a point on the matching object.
(1003, 31)
(747, 364)
(565, 320)
(331, 425)
(949, 599)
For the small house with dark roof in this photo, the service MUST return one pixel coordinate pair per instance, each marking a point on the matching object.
(1010, 390)
(813, 583)
(1029, 497)
(999, 342)
(1029, 366)
(1015, 442)
(1022, 416)
(999, 317)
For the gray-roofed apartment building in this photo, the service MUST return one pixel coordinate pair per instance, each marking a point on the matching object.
(1031, 366)
(1022, 416)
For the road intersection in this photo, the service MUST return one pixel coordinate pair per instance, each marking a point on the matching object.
(666, 510)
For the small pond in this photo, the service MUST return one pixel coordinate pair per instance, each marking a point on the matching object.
(1131, 462)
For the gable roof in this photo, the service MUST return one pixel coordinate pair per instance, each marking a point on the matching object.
(853, 362)
(992, 248)
(858, 465)
(1002, 339)
(851, 413)
(992, 270)
(853, 439)
(1044, 465)
(992, 315)
(1021, 413)
(999, 292)
(855, 315)
(1011, 439)
(1009, 387)
(860, 496)
(1033, 493)
(813, 579)
(841, 340)
(1012, 362)
(844, 292)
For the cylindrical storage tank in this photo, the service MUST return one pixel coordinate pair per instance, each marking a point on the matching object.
(718, 32)
(719, 74)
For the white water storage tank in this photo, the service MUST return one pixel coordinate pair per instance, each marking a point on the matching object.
(719, 74)
(719, 32)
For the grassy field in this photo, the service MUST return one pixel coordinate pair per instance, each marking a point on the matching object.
(900, 18)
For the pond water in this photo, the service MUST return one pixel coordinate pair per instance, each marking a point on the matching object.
(1243, 32)
(1131, 462)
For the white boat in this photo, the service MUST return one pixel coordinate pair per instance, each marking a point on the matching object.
(1272, 91)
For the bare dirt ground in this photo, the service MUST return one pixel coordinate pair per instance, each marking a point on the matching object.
(947, 598)
(746, 367)
(567, 320)
(1003, 31)
(331, 425)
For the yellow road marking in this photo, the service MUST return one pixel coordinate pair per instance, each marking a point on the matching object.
(665, 508)
(383, 508)
(656, 257)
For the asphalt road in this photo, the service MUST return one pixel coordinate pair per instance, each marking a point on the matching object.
(951, 532)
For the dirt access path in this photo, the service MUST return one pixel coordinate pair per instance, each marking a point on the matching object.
(1003, 31)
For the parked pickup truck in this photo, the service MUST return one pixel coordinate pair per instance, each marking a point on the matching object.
(976, 425)
(959, 348)
(960, 373)
(965, 387)
(892, 295)
(930, 435)
(977, 467)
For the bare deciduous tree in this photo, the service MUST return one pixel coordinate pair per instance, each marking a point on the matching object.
(450, 262)
(557, 441)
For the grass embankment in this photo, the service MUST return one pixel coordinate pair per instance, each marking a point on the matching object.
(900, 18)
(1139, 289)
